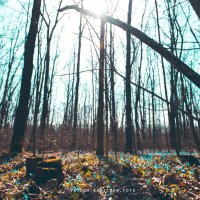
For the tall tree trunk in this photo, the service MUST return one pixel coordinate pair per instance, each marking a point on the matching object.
(72, 92)
(100, 112)
(47, 81)
(39, 83)
(112, 83)
(163, 67)
(129, 125)
(46, 91)
(74, 131)
(107, 102)
(137, 100)
(22, 109)
(66, 114)
(106, 108)
(153, 113)
(173, 81)
(143, 120)
(183, 95)
(93, 106)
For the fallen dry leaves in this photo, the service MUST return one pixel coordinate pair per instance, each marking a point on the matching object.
(88, 177)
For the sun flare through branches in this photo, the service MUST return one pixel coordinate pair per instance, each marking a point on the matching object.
(97, 6)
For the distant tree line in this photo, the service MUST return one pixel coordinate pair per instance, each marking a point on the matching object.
(159, 103)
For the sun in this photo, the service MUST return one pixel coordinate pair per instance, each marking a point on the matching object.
(96, 6)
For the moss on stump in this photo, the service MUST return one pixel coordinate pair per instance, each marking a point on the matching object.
(51, 163)
(48, 169)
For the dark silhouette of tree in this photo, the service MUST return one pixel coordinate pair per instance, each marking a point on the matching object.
(74, 131)
(47, 80)
(113, 119)
(106, 104)
(162, 63)
(39, 80)
(100, 111)
(196, 6)
(22, 109)
(129, 123)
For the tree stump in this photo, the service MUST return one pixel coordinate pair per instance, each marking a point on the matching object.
(48, 169)
(31, 164)
(51, 163)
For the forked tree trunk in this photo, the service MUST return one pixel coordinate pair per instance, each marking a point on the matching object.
(47, 81)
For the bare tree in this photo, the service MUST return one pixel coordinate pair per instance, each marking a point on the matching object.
(22, 109)
(129, 124)
(113, 119)
(100, 112)
(171, 58)
(12, 68)
(73, 145)
(47, 80)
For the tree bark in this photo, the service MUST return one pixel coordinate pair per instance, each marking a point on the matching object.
(74, 132)
(107, 102)
(20, 122)
(47, 82)
(194, 132)
(129, 124)
(100, 114)
(112, 88)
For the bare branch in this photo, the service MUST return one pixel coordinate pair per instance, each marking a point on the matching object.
(171, 58)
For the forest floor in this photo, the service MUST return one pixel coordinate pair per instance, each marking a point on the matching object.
(124, 177)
